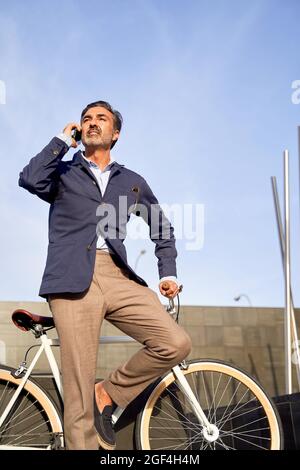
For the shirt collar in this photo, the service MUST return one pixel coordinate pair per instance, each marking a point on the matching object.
(94, 165)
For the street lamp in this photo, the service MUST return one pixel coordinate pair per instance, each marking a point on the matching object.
(238, 297)
(142, 252)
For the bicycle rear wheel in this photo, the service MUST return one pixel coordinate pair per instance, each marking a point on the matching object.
(33, 422)
(233, 401)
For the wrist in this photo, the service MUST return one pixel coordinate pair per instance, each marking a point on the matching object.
(170, 278)
(66, 138)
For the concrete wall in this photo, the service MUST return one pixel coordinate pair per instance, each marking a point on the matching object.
(251, 338)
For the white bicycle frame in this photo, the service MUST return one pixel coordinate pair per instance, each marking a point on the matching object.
(209, 430)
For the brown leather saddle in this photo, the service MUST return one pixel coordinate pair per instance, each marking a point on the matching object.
(27, 321)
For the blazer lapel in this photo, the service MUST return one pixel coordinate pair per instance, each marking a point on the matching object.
(82, 164)
(116, 169)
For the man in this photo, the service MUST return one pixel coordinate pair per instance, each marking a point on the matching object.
(87, 277)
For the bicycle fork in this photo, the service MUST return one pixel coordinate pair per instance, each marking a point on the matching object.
(209, 431)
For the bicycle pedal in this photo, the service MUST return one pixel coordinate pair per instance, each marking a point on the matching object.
(56, 442)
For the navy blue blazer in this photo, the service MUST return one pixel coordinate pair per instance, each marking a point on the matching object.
(73, 193)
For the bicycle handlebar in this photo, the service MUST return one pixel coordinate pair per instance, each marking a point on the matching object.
(171, 307)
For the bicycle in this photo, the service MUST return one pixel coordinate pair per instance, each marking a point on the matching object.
(201, 404)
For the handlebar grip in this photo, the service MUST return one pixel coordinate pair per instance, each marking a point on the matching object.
(165, 286)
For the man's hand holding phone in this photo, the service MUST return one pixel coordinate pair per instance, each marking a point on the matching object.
(73, 130)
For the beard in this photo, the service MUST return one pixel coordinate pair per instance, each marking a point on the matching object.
(97, 141)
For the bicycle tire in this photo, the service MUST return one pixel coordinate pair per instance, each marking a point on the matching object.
(246, 418)
(34, 421)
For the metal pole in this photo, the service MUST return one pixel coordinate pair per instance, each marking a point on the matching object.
(142, 252)
(281, 242)
(299, 156)
(287, 270)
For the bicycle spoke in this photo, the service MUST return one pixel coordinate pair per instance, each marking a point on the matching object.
(31, 438)
(248, 424)
(236, 436)
(37, 413)
(246, 434)
(176, 447)
(205, 391)
(171, 418)
(237, 407)
(183, 405)
(251, 430)
(229, 404)
(31, 430)
(4, 393)
(215, 407)
(223, 394)
(226, 446)
(226, 418)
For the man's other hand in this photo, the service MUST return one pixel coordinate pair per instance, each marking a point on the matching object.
(168, 289)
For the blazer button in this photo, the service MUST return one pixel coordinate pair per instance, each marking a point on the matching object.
(94, 182)
(88, 247)
(55, 152)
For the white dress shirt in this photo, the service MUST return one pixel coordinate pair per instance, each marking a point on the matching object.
(102, 177)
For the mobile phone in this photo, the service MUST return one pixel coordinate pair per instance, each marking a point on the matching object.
(76, 135)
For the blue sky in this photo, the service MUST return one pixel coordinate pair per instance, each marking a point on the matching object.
(205, 91)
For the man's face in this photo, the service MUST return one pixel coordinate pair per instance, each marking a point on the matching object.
(98, 128)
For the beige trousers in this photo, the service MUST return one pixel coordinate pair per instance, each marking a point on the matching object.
(135, 310)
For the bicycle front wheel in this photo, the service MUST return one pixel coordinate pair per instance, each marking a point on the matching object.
(33, 421)
(232, 401)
